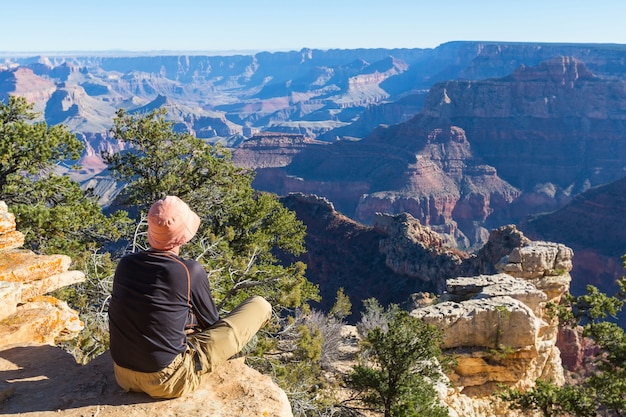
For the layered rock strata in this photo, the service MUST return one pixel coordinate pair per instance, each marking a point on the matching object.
(416, 251)
(498, 328)
(27, 314)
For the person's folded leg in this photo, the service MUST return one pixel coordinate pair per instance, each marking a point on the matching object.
(229, 335)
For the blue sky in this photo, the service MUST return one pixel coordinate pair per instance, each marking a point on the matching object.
(272, 25)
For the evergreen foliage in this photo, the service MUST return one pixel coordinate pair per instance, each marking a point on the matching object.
(342, 307)
(241, 230)
(30, 147)
(52, 211)
(400, 366)
(300, 355)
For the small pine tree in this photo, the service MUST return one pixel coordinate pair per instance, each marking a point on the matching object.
(403, 366)
(342, 307)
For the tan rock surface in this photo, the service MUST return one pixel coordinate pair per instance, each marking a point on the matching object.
(7, 219)
(538, 259)
(54, 282)
(11, 240)
(46, 381)
(487, 286)
(21, 265)
(10, 296)
(27, 315)
(42, 320)
(491, 323)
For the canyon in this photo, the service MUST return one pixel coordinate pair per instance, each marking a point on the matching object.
(415, 170)
(495, 324)
(465, 137)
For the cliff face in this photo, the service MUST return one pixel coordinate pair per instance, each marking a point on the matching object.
(491, 306)
(27, 314)
(497, 327)
(486, 153)
(396, 257)
(341, 253)
(270, 150)
(424, 167)
(25, 83)
(41, 379)
(596, 214)
(562, 123)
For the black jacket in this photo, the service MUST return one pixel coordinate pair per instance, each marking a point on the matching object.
(153, 301)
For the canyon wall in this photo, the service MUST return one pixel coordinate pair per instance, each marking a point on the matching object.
(498, 329)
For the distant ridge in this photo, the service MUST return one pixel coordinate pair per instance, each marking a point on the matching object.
(466, 136)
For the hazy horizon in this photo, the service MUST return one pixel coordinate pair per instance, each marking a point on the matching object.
(141, 26)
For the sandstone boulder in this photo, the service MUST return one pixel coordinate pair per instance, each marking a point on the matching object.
(27, 315)
(498, 285)
(544, 264)
(538, 259)
(487, 323)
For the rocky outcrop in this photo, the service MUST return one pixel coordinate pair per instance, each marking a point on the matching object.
(501, 242)
(498, 329)
(27, 314)
(559, 120)
(341, 253)
(390, 260)
(25, 83)
(40, 379)
(416, 251)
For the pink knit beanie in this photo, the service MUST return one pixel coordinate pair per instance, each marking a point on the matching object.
(171, 223)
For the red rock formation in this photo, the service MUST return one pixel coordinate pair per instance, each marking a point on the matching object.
(270, 150)
(23, 82)
(423, 167)
(551, 130)
(563, 124)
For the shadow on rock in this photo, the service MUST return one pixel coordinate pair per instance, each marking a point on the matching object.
(46, 378)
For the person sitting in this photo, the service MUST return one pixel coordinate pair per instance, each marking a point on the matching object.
(165, 330)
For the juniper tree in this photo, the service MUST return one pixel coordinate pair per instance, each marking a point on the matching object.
(401, 366)
(51, 210)
(241, 230)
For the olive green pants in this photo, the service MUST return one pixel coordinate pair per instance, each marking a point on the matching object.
(207, 350)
